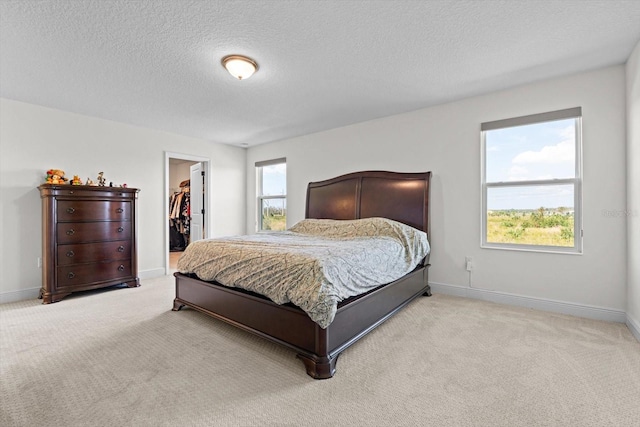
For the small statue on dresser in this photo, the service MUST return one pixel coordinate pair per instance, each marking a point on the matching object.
(56, 176)
(101, 179)
(89, 182)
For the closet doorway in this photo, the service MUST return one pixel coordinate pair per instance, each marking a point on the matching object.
(186, 198)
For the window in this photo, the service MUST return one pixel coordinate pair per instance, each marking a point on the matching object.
(531, 182)
(272, 195)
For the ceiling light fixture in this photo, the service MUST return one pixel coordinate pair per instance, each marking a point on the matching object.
(240, 66)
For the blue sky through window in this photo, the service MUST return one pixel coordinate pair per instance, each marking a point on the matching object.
(530, 197)
(541, 151)
(274, 180)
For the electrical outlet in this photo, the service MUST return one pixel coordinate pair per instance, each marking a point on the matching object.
(468, 261)
(39, 262)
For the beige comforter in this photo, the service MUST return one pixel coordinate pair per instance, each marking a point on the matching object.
(315, 264)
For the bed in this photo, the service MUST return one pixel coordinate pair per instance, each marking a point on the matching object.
(401, 197)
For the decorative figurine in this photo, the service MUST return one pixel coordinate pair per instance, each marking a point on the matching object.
(89, 182)
(56, 176)
(101, 179)
(76, 180)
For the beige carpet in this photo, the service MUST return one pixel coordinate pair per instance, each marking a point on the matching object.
(121, 357)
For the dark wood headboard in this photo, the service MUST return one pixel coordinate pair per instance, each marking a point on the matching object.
(402, 197)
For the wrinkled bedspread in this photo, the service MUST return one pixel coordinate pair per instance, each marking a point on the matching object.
(315, 264)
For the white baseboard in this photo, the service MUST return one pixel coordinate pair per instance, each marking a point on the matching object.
(572, 309)
(33, 293)
(634, 326)
(150, 274)
(19, 295)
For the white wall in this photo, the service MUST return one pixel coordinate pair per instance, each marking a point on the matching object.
(446, 140)
(179, 170)
(34, 139)
(633, 191)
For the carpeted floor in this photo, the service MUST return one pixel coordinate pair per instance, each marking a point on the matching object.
(121, 357)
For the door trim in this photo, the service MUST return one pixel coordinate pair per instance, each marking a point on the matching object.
(206, 166)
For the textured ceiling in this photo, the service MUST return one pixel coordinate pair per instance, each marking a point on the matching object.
(323, 64)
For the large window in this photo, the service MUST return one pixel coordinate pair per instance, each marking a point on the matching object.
(272, 195)
(531, 182)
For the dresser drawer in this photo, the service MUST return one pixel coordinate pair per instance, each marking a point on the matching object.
(86, 274)
(85, 210)
(79, 232)
(92, 252)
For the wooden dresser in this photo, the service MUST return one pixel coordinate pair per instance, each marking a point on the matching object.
(88, 239)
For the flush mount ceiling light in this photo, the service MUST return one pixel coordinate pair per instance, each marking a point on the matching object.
(240, 66)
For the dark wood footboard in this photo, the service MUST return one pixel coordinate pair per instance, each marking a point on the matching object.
(290, 326)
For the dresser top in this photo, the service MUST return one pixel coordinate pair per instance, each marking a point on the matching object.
(86, 190)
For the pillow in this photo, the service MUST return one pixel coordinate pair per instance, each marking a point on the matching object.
(367, 227)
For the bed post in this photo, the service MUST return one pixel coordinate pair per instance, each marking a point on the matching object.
(319, 368)
(427, 221)
(427, 292)
(320, 364)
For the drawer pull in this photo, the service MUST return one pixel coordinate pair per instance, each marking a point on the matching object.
(121, 267)
(70, 254)
(70, 232)
(120, 229)
(119, 210)
(70, 192)
(120, 248)
(71, 275)
(71, 210)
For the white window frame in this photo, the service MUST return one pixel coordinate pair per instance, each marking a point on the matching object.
(260, 197)
(571, 113)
